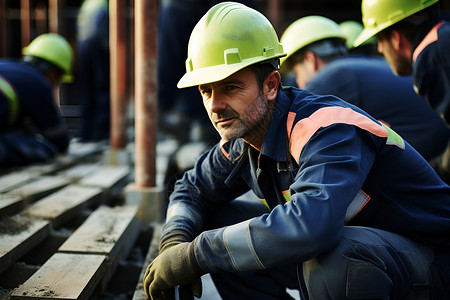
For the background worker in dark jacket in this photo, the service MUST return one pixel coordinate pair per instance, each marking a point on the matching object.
(349, 209)
(31, 127)
(316, 52)
(415, 39)
(93, 62)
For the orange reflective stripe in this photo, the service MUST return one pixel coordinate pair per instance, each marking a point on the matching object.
(290, 123)
(223, 142)
(431, 37)
(305, 128)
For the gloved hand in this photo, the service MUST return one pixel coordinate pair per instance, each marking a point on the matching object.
(176, 265)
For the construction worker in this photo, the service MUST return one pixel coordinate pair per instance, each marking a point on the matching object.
(31, 127)
(349, 209)
(414, 38)
(317, 54)
(93, 62)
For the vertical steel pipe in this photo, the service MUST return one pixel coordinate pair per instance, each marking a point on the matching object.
(145, 92)
(53, 15)
(25, 31)
(118, 70)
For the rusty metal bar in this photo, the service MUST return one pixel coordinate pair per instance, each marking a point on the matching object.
(25, 22)
(145, 91)
(3, 28)
(118, 69)
(275, 13)
(53, 15)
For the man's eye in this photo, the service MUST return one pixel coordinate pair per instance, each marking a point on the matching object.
(231, 87)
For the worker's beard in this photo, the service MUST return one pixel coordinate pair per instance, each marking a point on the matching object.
(251, 125)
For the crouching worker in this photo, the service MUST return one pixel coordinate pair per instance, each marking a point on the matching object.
(349, 210)
(31, 127)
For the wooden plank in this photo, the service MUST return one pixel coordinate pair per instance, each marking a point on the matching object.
(106, 176)
(18, 235)
(64, 276)
(85, 150)
(10, 204)
(79, 171)
(63, 205)
(15, 179)
(103, 232)
(41, 187)
(52, 166)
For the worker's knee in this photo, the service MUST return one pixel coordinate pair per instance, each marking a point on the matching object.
(336, 275)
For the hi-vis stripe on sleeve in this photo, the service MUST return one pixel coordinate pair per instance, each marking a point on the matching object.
(431, 37)
(238, 241)
(9, 92)
(305, 128)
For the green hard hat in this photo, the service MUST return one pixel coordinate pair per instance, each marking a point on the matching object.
(378, 15)
(352, 30)
(308, 30)
(228, 38)
(53, 48)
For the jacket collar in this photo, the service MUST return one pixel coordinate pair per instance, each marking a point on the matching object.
(275, 141)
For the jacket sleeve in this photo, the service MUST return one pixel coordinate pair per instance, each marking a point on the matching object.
(332, 168)
(198, 194)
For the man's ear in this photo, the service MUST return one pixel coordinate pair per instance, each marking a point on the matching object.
(312, 61)
(400, 43)
(271, 84)
(395, 40)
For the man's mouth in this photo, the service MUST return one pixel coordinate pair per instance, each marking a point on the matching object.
(224, 121)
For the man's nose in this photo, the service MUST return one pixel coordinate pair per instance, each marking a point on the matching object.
(217, 102)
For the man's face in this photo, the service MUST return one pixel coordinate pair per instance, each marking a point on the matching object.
(236, 107)
(400, 64)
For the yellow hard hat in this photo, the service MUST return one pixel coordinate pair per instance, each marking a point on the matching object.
(352, 30)
(308, 30)
(53, 48)
(228, 38)
(378, 15)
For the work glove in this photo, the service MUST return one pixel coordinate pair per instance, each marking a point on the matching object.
(175, 265)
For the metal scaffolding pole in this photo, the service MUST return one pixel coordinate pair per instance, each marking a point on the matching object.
(25, 22)
(145, 92)
(118, 69)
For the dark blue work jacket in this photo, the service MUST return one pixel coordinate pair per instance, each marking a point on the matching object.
(370, 84)
(36, 108)
(431, 65)
(324, 164)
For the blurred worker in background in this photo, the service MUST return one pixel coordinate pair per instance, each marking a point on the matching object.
(31, 127)
(348, 210)
(317, 54)
(93, 63)
(415, 39)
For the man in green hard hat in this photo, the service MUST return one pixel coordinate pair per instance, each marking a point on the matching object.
(348, 209)
(415, 39)
(317, 56)
(31, 127)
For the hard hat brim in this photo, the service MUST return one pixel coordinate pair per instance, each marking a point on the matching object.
(216, 73)
(365, 35)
